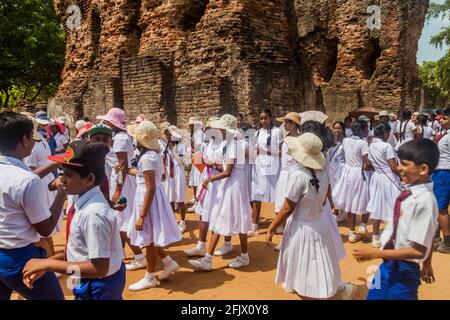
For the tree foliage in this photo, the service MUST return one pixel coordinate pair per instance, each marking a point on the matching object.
(32, 50)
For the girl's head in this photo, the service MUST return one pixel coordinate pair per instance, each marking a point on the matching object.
(338, 130)
(54, 129)
(321, 131)
(406, 115)
(423, 119)
(103, 138)
(266, 118)
(348, 122)
(382, 131)
(360, 128)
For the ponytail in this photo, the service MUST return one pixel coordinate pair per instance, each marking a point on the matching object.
(314, 181)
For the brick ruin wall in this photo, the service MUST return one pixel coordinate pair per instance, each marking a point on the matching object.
(171, 59)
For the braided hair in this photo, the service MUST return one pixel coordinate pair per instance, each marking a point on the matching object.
(406, 116)
(358, 128)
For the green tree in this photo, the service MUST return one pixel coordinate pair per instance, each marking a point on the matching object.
(32, 50)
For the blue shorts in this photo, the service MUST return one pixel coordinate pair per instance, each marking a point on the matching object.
(396, 280)
(108, 288)
(12, 262)
(441, 188)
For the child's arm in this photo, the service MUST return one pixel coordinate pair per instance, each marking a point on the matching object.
(150, 184)
(35, 268)
(415, 252)
(122, 158)
(285, 212)
(330, 199)
(393, 165)
(427, 273)
(46, 169)
(223, 175)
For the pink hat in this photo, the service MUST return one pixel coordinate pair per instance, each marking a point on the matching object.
(117, 117)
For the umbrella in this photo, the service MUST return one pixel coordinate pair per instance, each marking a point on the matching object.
(369, 112)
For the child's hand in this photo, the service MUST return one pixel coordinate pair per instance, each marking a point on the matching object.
(140, 223)
(365, 254)
(427, 274)
(269, 237)
(33, 270)
(163, 177)
(205, 184)
(120, 207)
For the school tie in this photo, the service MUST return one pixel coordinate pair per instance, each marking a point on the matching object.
(70, 215)
(398, 203)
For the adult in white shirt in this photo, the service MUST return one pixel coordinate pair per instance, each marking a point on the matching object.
(24, 215)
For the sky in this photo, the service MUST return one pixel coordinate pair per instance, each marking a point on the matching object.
(426, 51)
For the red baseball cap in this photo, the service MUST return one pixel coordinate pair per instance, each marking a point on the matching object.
(83, 154)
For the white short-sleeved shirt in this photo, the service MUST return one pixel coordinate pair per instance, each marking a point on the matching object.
(428, 133)
(270, 165)
(300, 190)
(61, 140)
(180, 150)
(444, 150)
(418, 220)
(150, 161)
(348, 132)
(122, 142)
(355, 149)
(392, 140)
(39, 155)
(22, 204)
(234, 151)
(408, 129)
(434, 125)
(198, 137)
(379, 153)
(94, 232)
(336, 155)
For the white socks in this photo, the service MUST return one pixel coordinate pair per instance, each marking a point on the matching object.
(201, 245)
(139, 257)
(167, 261)
(228, 244)
(207, 258)
(149, 276)
(244, 256)
(182, 223)
(254, 226)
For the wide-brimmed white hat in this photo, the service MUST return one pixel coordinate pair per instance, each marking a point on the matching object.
(383, 114)
(164, 125)
(146, 133)
(307, 150)
(292, 116)
(226, 122)
(175, 133)
(211, 120)
(194, 121)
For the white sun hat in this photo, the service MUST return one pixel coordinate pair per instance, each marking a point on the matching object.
(146, 133)
(307, 150)
(226, 122)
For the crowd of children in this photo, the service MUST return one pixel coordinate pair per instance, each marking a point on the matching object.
(122, 183)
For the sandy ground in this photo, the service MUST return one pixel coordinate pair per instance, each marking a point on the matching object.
(257, 280)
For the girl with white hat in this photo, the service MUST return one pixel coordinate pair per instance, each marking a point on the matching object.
(121, 184)
(266, 168)
(307, 263)
(152, 225)
(230, 214)
(292, 124)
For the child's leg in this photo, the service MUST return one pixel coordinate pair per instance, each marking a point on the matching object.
(172, 204)
(376, 227)
(244, 243)
(195, 192)
(203, 231)
(136, 250)
(351, 221)
(151, 258)
(213, 243)
(256, 210)
(365, 218)
(161, 253)
(182, 208)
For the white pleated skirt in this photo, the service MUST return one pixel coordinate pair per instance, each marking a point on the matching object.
(328, 216)
(383, 194)
(169, 188)
(231, 214)
(128, 191)
(179, 184)
(308, 262)
(280, 191)
(351, 192)
(196, 177)
(160, 226)
(263, 186)
(204, 207)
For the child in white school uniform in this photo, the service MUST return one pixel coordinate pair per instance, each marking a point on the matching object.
(176, 152)
(308, 263)
(231, 213)
(122, 184)
(407, 241)
(167, 176)
(292, 124)
(266, 168)
(406, 129)
(58, 131)
(93, 244)
(153, 224)
(385, 184)
(25, 217)
(351, 193)
(197, 143)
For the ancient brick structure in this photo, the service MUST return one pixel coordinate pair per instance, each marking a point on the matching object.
(171, 59)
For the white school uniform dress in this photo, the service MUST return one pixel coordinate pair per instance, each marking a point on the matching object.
(392, 140)
(94, 232)
(231, 214)
(308, 262)
(38, 158)
(195, 176)
(168, 183)
(351, 192)
(178, 175)
(20, 205)
(348, 132)
(160, 226)
(333, 228)
(336, 160)
(212, 154)
(428, 133)
(406, 131)
(248, 167)
(122, 142)
(61, 140)
(435, 126)
(266, 169)
(385, 186)
(418, 220)
(288, 164)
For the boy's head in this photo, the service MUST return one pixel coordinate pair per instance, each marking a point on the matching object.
(418, 160)
(16, 135)
(101, 133)
(84, 166)
(445, 120)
